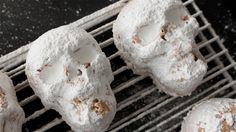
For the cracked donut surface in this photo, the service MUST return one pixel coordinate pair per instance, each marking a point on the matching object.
(156, 38)
(68, 71)
(214, 115)
(11, 114)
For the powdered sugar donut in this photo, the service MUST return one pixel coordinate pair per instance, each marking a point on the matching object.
(156, 37)
(214, 115)
(68, 71)
(11, 114)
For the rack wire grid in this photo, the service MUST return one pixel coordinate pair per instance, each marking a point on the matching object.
(141, 107)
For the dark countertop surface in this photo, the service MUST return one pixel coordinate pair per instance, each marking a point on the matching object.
(22, 21)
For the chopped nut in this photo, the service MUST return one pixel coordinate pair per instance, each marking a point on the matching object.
(200, 129)
(164, 30)
(185, 18)
(136, 40)
(47, 65)
(79, 72)
(225, 126)
(87, 65)
(99, 107)
(232, 109)
(76, 101)
(195, 56)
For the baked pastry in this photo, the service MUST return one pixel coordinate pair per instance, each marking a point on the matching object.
(214, 115)
(68, 71)
(12, 115)
(156, 38)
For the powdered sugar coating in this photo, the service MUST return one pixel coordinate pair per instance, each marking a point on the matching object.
(214, 115)
(11, 114)
(69, 72)
(156, 37)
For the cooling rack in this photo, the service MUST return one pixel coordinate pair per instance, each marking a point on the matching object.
(141, 107)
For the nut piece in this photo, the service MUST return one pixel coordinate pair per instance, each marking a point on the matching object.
(76, 101)
(185, 18)
(163, 32)
(99, 107)
(200, 129)
(225, 127)
(136, 40)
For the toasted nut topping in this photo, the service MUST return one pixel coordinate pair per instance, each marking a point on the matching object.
(200, 129)
(87, 65)
(164, 30)
(136, 40)
(225, 127)
(232, 109)
(99, 107)
(47, 65)
(185, 18)
(76, 101)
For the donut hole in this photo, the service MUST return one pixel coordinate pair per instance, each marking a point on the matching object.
(52, 73)
(85, 54)
(147, 34)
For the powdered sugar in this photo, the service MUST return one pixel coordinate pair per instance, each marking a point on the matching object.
(157, 38)
(69, 72)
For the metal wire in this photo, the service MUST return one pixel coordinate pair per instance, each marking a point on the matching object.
(152, 101)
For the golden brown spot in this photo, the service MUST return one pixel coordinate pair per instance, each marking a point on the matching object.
(225, 126)
(232, 109)
(164, 30)
(136, 40)
(76, 101)
(99, 107)
(200, 129)
(185, 18)
(194, 56)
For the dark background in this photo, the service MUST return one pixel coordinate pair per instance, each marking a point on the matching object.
(22, 21)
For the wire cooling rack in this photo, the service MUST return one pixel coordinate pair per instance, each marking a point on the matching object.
(141, 107)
